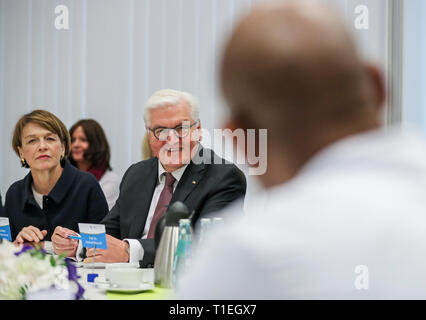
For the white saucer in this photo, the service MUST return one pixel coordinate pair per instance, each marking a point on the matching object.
(103, 265)
(142, 287)
(96, 265)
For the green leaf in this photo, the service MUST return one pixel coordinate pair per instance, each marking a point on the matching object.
(52, 261)
(23, 291)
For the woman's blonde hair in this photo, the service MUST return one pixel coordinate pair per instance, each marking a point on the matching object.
(146, 148)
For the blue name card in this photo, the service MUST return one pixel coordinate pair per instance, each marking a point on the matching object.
(5, 229)
(93, 235)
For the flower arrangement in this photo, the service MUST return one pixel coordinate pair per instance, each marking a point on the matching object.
(25, 271)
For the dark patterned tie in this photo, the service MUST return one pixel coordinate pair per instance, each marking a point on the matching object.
(163, 201)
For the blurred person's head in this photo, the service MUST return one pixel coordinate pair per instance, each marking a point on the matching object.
(292, 67)
(171, 109)
(41, 141)
(89, 145)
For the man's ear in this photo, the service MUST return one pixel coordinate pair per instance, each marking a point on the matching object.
(200, 131)
(197, 134)
(377, 83)
(234, 125)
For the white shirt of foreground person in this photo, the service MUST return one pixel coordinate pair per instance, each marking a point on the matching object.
(351, 225)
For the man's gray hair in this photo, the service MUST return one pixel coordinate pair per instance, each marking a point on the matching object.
(170, 97)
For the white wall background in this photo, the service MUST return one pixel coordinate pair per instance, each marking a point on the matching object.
(415, 65)
(116, 53)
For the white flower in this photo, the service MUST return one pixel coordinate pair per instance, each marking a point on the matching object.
(28, 274)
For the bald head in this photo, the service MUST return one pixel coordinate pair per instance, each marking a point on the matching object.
(291, 64)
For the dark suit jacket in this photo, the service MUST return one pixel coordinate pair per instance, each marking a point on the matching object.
(76, 197)
(216, 185)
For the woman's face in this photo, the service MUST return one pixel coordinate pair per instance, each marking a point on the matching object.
(41, 148)
(79, 144)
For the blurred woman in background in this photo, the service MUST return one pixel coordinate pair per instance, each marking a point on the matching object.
(1, 207)
(54, 193)
(146, 148)
(90, 152)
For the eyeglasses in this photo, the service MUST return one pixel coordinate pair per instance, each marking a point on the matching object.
(180, 131)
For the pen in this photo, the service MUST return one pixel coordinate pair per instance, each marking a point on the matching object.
(74, 237)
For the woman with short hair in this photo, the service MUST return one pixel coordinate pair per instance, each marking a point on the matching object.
(54, 193)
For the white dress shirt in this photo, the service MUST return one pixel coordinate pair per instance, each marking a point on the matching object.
(135, 247)
(350, 225)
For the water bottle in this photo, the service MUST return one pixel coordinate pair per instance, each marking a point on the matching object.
(217, 222)
(205, 227)
(183, 251)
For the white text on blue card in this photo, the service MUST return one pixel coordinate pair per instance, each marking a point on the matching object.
(93, 235)
(5, 229)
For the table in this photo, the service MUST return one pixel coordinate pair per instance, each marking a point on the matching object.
(94, 291)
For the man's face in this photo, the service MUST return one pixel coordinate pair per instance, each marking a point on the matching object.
(173, 152)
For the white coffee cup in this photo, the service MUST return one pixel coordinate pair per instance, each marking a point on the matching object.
(125, 277)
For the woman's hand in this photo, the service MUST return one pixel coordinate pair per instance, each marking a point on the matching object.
(31, 235)
(61, 242)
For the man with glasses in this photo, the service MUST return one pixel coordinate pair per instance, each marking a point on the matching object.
(181, 170)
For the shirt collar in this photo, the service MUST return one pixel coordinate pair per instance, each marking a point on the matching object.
(177, 174)
(354, 150)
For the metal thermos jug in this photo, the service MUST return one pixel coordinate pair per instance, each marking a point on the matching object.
(166, 238)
